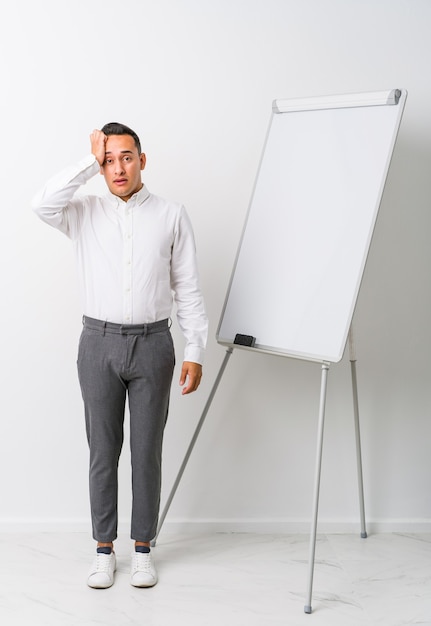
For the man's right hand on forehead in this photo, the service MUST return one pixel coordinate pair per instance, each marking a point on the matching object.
(98, 141)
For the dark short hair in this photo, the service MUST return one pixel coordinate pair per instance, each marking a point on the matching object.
(115, 128)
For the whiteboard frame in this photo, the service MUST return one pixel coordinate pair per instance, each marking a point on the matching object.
(392, 97)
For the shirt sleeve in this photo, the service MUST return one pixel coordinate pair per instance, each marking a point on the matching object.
(54, 203)
(191, 314)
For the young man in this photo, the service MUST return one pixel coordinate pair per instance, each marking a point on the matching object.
(135, 254)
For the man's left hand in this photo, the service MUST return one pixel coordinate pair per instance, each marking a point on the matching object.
(191, 374)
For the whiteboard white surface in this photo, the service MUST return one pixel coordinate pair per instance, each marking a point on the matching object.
(308, 230)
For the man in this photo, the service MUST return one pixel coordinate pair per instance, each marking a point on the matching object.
(135, 253)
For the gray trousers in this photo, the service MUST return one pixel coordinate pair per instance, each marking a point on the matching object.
(115, 361)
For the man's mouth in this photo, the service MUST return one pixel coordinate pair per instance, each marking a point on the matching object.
(120, 181)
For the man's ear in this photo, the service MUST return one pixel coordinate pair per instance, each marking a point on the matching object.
(143, 160)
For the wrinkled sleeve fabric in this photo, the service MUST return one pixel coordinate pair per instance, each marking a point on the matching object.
(191, 314)
(55, 203)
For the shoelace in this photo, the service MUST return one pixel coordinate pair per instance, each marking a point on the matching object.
(103, 563)
(141, 562)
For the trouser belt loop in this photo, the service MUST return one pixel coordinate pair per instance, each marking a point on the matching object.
(104, 327)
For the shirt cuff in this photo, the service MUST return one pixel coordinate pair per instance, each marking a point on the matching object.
(91, 163)
(194, 354)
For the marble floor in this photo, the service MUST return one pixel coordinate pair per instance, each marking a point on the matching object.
(220, 580)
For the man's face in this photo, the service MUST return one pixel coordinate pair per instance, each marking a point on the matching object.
(122, 166)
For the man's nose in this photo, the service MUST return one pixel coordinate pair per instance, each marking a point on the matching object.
(119, 168)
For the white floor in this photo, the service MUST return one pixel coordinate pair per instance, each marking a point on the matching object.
(220, 580)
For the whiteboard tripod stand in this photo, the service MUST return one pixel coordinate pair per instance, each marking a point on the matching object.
(309, 227)
(321, 420)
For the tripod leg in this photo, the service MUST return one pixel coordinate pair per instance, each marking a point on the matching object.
(325, 368)
(357, 432)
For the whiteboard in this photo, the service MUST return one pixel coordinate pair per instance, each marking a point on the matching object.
(309, 225)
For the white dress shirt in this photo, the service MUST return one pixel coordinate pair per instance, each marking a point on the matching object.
(133, 257)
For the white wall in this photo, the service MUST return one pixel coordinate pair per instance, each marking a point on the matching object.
(196, 79)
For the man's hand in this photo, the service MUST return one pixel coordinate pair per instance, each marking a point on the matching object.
(98, 142)
(192, 373)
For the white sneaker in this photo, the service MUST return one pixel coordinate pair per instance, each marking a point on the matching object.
(143, 572)
(101, 574)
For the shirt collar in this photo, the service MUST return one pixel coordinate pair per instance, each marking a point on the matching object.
(138, 198)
